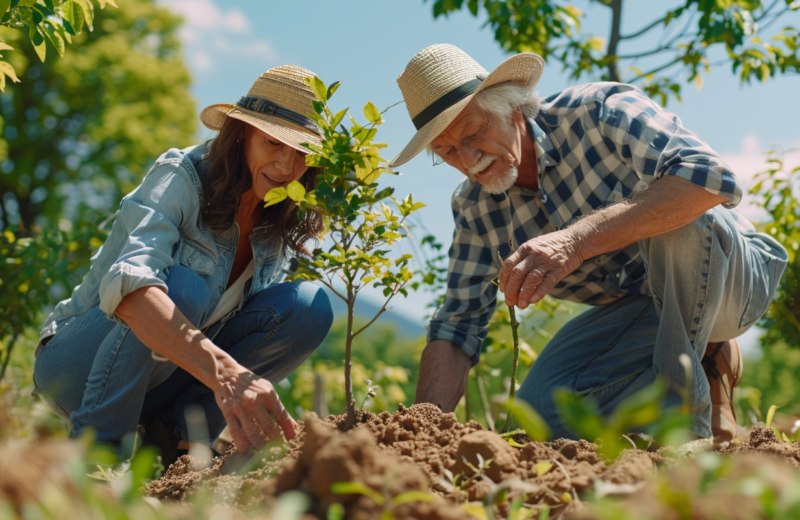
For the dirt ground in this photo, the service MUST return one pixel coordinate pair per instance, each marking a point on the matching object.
(419, 449)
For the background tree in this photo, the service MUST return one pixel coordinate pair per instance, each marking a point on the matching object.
(79, 132)
(83, 128)
(690, 35)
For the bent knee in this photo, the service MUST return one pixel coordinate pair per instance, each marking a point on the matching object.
(314, 306)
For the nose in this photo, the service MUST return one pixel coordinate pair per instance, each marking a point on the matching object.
(285, 160)
(469, 156)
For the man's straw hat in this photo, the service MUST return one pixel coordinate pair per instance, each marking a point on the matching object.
(279, 104)
(442, 79)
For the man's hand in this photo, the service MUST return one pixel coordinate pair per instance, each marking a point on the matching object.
(538, 265)
(442, 375)
(247, 401)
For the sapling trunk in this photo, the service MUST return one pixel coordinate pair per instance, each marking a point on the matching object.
(350, 417)
(512, 392)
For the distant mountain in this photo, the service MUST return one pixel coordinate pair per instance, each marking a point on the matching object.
(366, 309)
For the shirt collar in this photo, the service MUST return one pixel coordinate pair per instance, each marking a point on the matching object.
(546, 153)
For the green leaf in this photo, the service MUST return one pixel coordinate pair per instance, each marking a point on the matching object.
(412, 496)
(38, 44)
(274, 196)
(318, 106)
(771, 415)
(318, 87)
(333, 87)
(7, 70)
(296, 191)
(371, 112)
(357, 488)
(55, 38)
(338, 118)
(88, 12)
(5, 5)
(529, 419)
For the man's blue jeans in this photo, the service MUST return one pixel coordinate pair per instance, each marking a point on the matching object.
(710, 282)
(97, 373)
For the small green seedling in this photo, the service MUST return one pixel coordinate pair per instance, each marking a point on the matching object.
(387, 504)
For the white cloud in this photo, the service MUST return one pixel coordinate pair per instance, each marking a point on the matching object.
(235, 21)
(213, 33)
(201, 61)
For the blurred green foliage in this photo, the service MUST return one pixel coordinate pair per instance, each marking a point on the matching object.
(78, 134)
(84, 128)
(690, 36)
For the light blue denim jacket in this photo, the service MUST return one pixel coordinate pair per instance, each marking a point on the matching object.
(159, 224)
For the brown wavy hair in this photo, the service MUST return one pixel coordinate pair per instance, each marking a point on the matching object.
(228, 178)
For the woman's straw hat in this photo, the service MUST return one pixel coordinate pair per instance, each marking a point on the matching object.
(279, 104)
(442, 79)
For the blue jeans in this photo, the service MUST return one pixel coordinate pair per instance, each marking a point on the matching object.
(710, 283)
(97, 373)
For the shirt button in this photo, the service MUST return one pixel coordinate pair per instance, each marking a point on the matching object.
(544, 197)
(259, 261)
(556, 228)
(598, 260)
(221, 289)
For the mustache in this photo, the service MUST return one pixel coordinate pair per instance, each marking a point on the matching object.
(482, 164)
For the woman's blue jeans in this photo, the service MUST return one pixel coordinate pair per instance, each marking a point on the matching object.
(97, 373)
(710, 282)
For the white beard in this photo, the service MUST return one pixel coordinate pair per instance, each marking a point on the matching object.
(498, 182)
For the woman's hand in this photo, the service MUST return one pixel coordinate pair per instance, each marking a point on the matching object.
(538, 265)
(251, 407)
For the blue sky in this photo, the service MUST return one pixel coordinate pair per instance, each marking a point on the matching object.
(367, 44)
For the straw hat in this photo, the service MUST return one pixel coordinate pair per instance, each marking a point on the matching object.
(442, 79)
(278, 103)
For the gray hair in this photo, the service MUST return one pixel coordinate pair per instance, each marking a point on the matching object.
(503, 99)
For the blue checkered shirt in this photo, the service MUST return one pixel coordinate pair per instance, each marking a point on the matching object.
(596, 144)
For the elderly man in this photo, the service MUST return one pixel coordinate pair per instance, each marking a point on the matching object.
(608, 201)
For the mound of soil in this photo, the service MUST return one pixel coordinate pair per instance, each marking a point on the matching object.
(413, 449)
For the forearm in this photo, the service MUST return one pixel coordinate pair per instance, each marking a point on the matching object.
(162, 327)
(667, 204)
(442, 375)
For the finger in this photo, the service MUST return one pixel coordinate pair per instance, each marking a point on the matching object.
(516, 277)
(282, 417)
(508, 265)
(532, 282)
(251, 430)
(550, 281)
(237, 433)
(269, 427)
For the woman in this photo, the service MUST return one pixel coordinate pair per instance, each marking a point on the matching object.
(182, 308)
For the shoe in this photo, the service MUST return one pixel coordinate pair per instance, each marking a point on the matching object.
(723, 365)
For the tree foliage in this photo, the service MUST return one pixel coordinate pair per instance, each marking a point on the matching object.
(689, 38)
(80, 131)
(85, 127)
(779, 188)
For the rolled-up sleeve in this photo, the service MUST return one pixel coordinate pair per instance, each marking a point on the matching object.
(471, 296)
(151, 217)
(654, 143)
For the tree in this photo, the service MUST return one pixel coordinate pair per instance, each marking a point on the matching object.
(80, 131)
(360, 224)
(689, 36)
(85, 127)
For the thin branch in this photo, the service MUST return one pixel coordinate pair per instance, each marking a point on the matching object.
(657, 69)
(657, 50)
(329, 285)
(642, 31)
(383, 309)
(9, 350)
